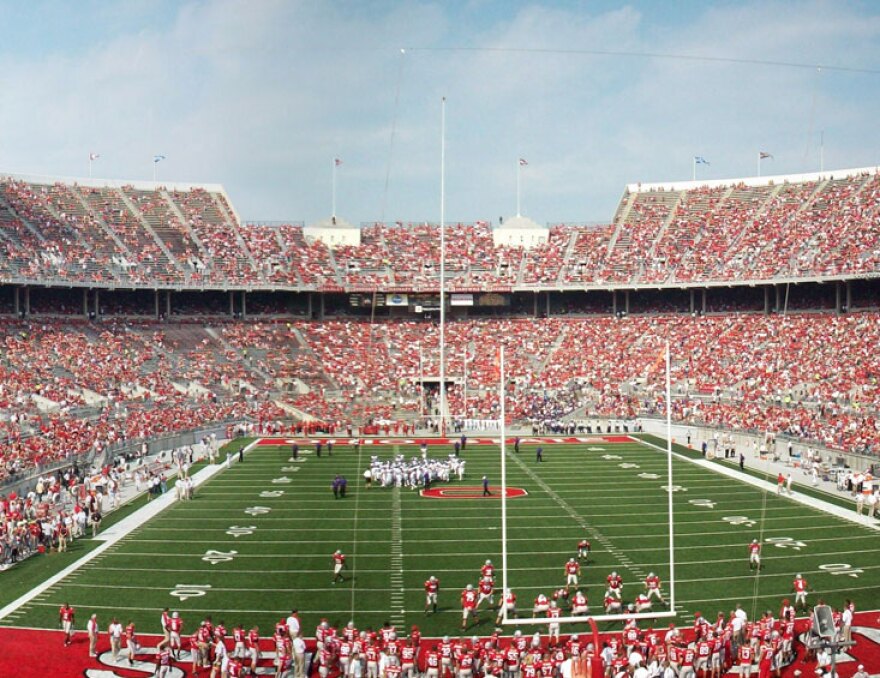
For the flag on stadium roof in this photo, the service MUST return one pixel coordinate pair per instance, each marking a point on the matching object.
(765, 154)
(700, 160)
(523, 162)
(337, 162)
(94, 156)
(158, 158)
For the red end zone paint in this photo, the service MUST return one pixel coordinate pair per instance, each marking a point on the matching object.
(30, 653)
(471, 492)
(430, 442)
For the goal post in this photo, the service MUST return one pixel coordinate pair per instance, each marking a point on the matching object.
(670, 491)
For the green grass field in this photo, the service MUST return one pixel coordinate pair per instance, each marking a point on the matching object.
(288, 525)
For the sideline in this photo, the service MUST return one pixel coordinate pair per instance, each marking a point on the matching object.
(801, 498)
(113, 535)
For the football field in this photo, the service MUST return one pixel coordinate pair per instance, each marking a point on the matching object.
(257, 541)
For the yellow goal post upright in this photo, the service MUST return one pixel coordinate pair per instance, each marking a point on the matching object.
(670, 490)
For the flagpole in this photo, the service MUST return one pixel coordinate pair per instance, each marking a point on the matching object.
(759, 163)
(442, 266)
(503, 490)
(695, 169)
(90, 165)
(518, 171)
(333, 190)
(155, 170)
(822, 150)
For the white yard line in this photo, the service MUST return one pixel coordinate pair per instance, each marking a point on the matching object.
(110, 537)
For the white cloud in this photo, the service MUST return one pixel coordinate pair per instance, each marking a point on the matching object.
(262, 95)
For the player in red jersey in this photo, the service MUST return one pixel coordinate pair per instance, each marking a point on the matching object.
(238, 637)
(163, 662)
(165, 625)
(466, 665)
(131, 642)
(612, 603)
(579, 603)
(407, 660)
(488, 570)
(615, 585)
(371, 654)
(195, 652)
(432, 588)
(338, 565)
(541, 605)
(252, 643)
(688, 655)
(432, 660)
(487, 592)
(643, 603)
(572, 571)
(746, 659)
(584, 548)
(800, 588)
(553, 627)
(508, 604)
(652, 587)
(704, 655)
(754, 555)
(66, 617)
(175, 626)
(234, 668)
(468, 605)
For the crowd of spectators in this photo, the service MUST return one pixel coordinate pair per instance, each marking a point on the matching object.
(65, 232)
(69, 388)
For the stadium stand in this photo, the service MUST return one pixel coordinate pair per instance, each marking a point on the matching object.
(68, 385)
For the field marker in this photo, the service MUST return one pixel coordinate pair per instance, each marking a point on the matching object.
(271, 494)
(215, 557)
(239, 531)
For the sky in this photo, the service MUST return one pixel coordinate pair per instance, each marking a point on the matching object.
(262, 95)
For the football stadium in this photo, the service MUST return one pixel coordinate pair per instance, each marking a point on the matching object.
(366, 445)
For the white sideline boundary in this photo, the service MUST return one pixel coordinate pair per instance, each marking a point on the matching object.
(799, 497)
(115, 534)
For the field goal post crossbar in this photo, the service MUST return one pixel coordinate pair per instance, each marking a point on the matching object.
(588, 618)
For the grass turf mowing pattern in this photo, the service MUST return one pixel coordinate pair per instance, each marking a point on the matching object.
(285, 561)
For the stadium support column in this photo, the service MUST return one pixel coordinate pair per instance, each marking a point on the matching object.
(231, 304)
(16, 301)
(97, 302)
(548, 304)
(849, 295)
(613, 302)
(535, 309)
(167, 304)
(837, 296)
(243, 304)
(156, 303)
(693, 299)
(626, 301)
(767, 300)
(778, 297)
(86, 301)
(705, 294)
(27, 301)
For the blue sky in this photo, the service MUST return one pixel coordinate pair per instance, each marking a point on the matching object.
(261, 95)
